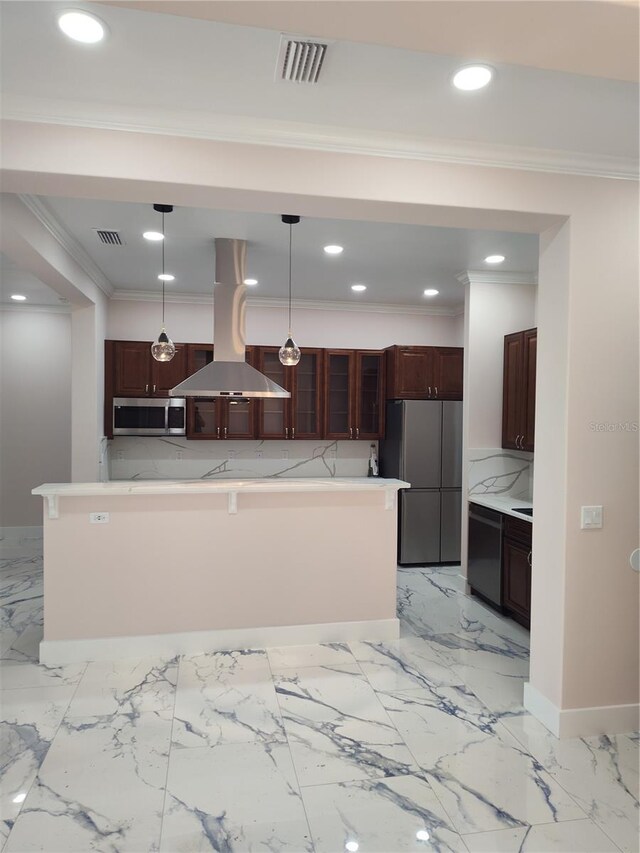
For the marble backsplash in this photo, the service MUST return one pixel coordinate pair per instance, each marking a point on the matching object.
(175, 458)
(493, 471)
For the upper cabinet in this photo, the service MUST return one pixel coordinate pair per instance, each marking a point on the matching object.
(136, 373)
(354, 394)
(424, 373)
(300, 416)
(519, 390)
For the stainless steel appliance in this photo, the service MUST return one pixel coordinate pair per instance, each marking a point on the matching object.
(423, 445)
(484, 570)
(149, 416)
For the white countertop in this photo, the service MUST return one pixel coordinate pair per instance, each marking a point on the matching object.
(502, 503)
(196, 487)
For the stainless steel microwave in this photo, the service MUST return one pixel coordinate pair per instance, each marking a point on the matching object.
(149, 416)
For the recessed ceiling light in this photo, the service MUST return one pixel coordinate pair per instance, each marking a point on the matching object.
(431, 291)
(251, 281)
(494, 259)
(358, 287)
(18, 297)
(166, 276)
(472, 77)
(153, 235)
(334, 250)
(81, 26)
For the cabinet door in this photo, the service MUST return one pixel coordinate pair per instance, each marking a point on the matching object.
(167, 374)
(412, 372)
(513, 377)
(198, 356)
(447, 373)
(339, 394)
(132, 369)
(239, 419)
(273, 412)
(306, 402)
(369, 399)
(204, 417)
(530, 342)
(516, 586)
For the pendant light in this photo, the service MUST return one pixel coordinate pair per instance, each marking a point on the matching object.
(163, 349)
(289, 353)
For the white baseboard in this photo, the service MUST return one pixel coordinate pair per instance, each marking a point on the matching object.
(60, 652)
(581, 722)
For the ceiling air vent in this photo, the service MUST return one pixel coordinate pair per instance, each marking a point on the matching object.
(109, 238)
(300, 59)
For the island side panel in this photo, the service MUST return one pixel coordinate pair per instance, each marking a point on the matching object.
(166, 564)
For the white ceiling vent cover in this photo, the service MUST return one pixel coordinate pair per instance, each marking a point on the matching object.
(300, 59)
(109, 237)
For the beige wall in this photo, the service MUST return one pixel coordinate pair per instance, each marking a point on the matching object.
(588, 337)
(35, 410)
(128, 320)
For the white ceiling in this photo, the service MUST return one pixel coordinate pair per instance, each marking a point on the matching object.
(15, 280)
(396, 262)
(183, 75)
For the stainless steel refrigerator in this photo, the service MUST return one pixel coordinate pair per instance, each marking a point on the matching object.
(423, 445)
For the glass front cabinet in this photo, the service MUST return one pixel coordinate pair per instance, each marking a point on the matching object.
(354, 394)
(300, 416)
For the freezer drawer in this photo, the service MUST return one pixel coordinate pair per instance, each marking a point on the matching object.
(450, 525)
(419, 528)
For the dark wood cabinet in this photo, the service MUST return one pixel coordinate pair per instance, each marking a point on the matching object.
(519, 390)
(137, 374)
(300, 416)
(354, 394)
(516, 569)
(213, 418)
(424, 373)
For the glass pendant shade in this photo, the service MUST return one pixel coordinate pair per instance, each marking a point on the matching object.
(289, 354)
(163, 349)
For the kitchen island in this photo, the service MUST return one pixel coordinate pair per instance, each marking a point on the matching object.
(168, 567)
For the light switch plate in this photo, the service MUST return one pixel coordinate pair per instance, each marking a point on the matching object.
(591, 517)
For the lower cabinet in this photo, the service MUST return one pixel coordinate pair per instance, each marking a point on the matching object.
(516, 570)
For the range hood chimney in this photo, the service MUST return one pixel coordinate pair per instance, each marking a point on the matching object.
(228, 375)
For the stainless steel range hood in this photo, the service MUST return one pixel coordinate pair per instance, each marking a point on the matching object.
(228, 375)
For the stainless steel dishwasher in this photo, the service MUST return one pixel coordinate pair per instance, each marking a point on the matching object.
(484, 571)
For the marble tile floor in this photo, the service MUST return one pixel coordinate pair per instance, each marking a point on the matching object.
(421, 744)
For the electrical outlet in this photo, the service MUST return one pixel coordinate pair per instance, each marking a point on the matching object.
(179, 455)
(99, 517)
(120, 455)
(259, 454)
(232, 454)
(284, 454)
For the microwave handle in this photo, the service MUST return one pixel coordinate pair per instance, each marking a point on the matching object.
(166, 419)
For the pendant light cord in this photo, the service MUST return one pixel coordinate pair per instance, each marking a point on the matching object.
(163, 239)
(290, 227)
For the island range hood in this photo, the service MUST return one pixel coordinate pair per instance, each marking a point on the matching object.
(228, 375)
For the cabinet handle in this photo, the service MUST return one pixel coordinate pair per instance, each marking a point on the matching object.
(517, 440)
(225, 432)
(218, 432)
(146, 389)
(286, 432)
(350, 432)
(154, 389)
(529, 558)
(357, 432)
(436, 390)
(429, 390)
(293, 432)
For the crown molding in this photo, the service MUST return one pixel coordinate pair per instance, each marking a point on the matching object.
(272, 302)
(31, 307)
(495, 277)
(69, 243)
(255, 131)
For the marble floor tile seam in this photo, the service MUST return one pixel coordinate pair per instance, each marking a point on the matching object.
(55, 734)
(490, 832)
(293, 763)
(171, 746)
